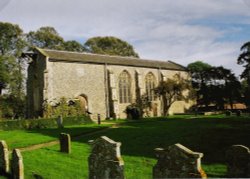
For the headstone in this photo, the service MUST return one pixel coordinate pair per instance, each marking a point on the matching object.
(17, 168)
(105, 161)
(238, 161)
(4, 158)
(60, 122)
(177, 161)
(65, 143)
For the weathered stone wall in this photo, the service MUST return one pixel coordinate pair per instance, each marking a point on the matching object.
(238, 161)
(177, 161)
(105, 161)
(57, 79)
(4, 158)
(71, 80)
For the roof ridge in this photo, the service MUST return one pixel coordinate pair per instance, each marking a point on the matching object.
(103, 55)
(108, 59)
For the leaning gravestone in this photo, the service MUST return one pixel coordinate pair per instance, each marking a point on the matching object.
(105, 161)
(238, 161)
(17, 169)
(65, 143)
(177, 161)
(4, 158)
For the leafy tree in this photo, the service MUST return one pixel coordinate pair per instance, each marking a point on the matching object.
(11, 68)
(73, 46)
(172, 90)
(200, 76)
(244, 59)
(45, 37)
(11, 46)
(214, 85)
(110, 46)
(11, 39)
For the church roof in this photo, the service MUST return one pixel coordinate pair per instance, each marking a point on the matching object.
(57, 55)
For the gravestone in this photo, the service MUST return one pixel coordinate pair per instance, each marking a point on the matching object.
(60, 122)
(177, 161)
(17, 168)
(105, 161)
(65, 143)
(4, 158)
(238, 161)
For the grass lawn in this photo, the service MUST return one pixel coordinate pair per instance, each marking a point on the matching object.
(23, 138)
(209, 135)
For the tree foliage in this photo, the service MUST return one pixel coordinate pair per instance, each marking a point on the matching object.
(214, 85)
(11, 39)
(172, 90)
(73, 46)
(110, 46)
(11, 69)
(45, 37)
(244, 59)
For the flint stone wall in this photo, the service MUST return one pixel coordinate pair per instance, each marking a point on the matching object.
(105, 161)
(17, 168)
(238, 161)
(177, 161)
(4, 158)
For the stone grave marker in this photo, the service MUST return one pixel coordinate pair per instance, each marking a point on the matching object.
(65, 143)
(4, 158)
(238, 161)
(177, 161)
(17, 168)
(105, 161)
(60, 121)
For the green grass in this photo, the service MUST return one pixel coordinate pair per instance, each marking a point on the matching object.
(23, 138)
(211, 135)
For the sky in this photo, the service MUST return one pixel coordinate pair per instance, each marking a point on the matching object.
(183, 31)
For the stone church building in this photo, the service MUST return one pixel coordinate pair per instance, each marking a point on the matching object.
(103, 84)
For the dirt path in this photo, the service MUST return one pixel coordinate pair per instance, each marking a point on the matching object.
(54, 142)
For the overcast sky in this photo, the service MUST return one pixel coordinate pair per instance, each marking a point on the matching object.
(182, 31)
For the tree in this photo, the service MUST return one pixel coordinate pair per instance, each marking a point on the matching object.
(214, 85)
(11, 39)
(11, 68)
(110, 46)
(200, 75)
(244, 59)
(172, 90)
(73, 46)
(45, 37)
(11, 46)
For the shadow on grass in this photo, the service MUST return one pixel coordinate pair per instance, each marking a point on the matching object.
(210, 136)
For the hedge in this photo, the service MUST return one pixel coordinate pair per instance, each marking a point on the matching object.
(42, 123)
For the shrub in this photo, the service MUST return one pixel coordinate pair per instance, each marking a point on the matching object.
(62, 108)
(133, 112)
(42, 123)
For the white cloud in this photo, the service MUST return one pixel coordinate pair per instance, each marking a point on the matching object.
(162, 29)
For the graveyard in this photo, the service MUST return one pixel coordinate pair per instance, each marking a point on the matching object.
(210, 135)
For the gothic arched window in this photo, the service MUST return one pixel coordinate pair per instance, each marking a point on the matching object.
(125, 87)
(150, 85)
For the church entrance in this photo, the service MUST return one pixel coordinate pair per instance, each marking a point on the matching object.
(83, 103)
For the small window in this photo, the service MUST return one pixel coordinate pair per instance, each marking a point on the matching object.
(125, 87)
(150, 85)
